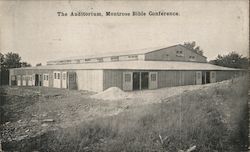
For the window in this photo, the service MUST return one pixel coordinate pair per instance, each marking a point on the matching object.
(100, 59)
(153, 77)
(64, 76)
(179, 53)
(71, 77)
(58, 76)
(44, 77)
(132, 56)
(127, 78)
(87, 60)
(54, 75)
(114, 58)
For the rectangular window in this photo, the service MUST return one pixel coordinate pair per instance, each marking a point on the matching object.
(64, 76)
(54, 75)
(179, 53)
(58, 76)
(100, 59)
(127, 77)
(133, 56)
(87, 60)
(153, 77)
(114, 58)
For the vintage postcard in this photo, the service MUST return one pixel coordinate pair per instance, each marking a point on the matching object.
(124, 76)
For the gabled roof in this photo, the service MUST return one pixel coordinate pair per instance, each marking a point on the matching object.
(109, 54)
(128, 52)
(136, 65)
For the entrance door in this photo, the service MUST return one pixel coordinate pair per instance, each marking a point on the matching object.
(127, 81)
(36, 80)
(203, 77)
(153, 80)
(198, 77)
(207, 77)
(24, 80)
(212, 76)
(136, 80)
(19, 80)
(144, 80)
(72, 80)
(64, 79)
(30, 80)
(33, 79)
(13, 80)
(57, 79)
(46, 80)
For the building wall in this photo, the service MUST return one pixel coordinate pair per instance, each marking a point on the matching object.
(112, 78)
(170, 54)
(91, 80)
(225, 75)
(99, 80)
(175, 78)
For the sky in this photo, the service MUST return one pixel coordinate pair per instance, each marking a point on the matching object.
(34, 30)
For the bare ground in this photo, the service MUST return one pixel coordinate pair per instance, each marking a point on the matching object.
(32, 111)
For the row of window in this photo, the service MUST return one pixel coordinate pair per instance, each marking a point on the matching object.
(57, 75)
(127, 77)
(101, 59)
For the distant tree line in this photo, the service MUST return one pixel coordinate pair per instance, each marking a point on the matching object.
(8, 61)
(232, 60)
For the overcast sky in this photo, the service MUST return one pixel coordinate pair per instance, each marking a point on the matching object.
(38, 34)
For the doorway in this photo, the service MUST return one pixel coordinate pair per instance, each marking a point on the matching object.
(36, 80)
(136, 80)
(207, 77)
(203, 77)
(72, 80)
(144, 80)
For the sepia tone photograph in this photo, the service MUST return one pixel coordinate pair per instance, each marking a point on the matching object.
(124, 76)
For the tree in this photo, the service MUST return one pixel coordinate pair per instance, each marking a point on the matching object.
(12, 60)
(192, 46)
(1, 61)
(232, 60)
(7, 61)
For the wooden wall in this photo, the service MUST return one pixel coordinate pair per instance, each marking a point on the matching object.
(91, 80)
(112, 78)
(175, 78)
(169, 54)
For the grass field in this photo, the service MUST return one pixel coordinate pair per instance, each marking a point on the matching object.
(213, 119)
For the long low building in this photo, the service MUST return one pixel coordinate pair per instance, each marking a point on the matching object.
(164, 67)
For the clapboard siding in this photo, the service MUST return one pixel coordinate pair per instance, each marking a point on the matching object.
(175, 78)
(170, 54)
(91, 80)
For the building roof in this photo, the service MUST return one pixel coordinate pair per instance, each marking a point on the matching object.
(128, 52)
(118, 53)
(136, 65)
